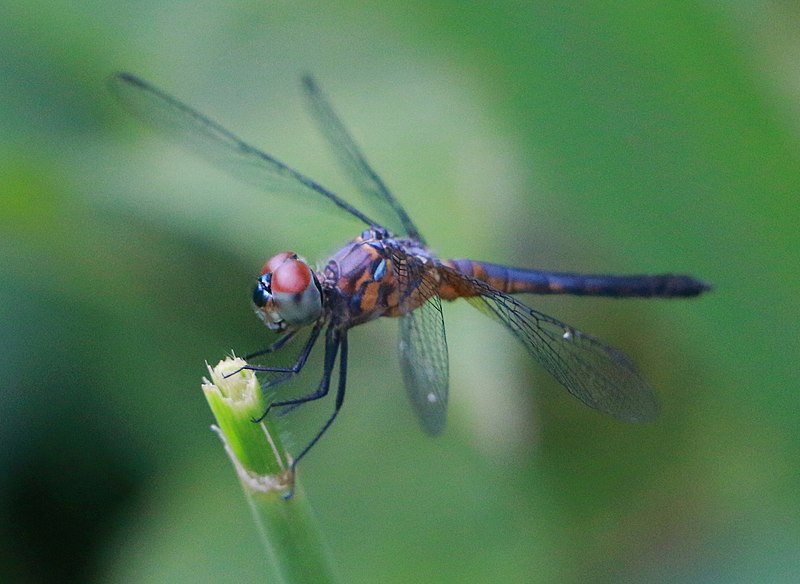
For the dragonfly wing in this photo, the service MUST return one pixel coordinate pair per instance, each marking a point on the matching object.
(424, 363)
(599, 375)
(203, 136)
(358, 169)
(423, 344)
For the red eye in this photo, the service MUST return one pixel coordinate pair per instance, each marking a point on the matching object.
(291, 277)
(275, 261)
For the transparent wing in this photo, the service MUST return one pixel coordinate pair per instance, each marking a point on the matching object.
(423, 344)
(352, 160)
(203, 136)
(600, 376)
(424, 362)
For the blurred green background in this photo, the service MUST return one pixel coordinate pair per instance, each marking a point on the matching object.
(639, 137)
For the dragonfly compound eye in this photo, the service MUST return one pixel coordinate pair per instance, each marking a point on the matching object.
(261, 291)
(275, 261)
(296, 292)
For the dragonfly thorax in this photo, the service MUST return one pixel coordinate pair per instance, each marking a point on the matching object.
(287, 293)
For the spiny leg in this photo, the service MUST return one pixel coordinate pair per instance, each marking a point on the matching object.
(277, 345)
(271, 348)
(342, 342)
(288, 372)
(331, 350)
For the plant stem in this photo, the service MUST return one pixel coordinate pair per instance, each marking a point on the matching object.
(284, 519)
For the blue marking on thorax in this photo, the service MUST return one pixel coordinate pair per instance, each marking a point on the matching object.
(379, 270)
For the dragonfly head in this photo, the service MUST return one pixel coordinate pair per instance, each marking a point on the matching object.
(287, 293)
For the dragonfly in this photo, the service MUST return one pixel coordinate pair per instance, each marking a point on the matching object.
(389, 271)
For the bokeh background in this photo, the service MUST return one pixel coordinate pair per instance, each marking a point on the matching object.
(639, 137)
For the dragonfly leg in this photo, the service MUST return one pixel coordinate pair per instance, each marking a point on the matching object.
(331, 348)
(274, 347)
(288, 372)
(332, 341)
(342, 342)
(278, 344)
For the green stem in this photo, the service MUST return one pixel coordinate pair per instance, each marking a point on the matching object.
(283, 517)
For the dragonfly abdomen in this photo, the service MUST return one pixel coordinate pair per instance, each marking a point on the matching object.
(519, 281)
